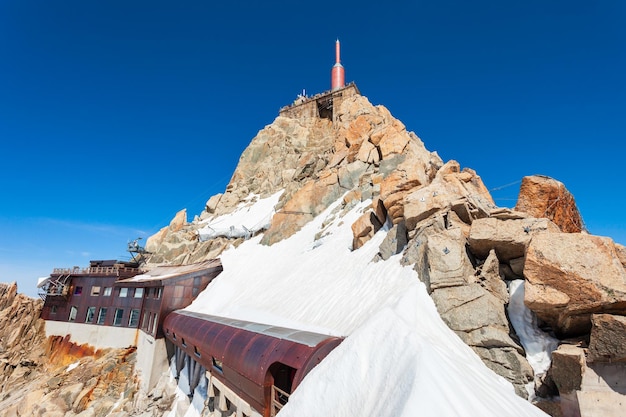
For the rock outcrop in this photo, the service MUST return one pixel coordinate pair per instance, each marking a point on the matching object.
(439, 217)
(608, 338)
(570, 276)
(21, 336)
(545, 197)
(42, 376)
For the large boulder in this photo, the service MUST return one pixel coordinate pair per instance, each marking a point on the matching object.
(406, 177)
(444, 262)
(364, 227)
(395, 241)
(569, 276)
(450, 189)
(478, 317)
(567, 368)
(608, 338)
(509, 238)
(542, 196)
(470, 299)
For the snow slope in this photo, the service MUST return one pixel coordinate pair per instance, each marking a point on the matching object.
(398, 358)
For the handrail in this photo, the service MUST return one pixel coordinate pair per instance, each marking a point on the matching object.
(279, 399)
(317, 96)
(98, 270)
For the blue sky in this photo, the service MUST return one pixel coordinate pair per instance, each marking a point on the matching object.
(114, 115)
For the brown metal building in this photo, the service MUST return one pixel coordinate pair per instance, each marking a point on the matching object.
(169, 288)
(113, 293)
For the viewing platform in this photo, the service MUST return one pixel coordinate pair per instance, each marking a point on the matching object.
(97, 270)
(321, 105)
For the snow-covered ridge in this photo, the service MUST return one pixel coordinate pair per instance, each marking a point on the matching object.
(247, 219)
(397, 348)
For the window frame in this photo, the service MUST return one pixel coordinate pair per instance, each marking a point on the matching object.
(91, 310)
(73, 313)
(155, 324)
(102, 315)
(137, 314)
(118, 318)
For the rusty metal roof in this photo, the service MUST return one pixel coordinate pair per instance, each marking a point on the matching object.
(299, 336)
(246, 350)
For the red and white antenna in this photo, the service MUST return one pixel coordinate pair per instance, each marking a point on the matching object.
(338, 73)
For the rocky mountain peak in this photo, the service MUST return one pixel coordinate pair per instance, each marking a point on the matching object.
(441, 219)
(313, 161)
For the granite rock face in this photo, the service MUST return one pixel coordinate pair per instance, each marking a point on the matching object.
(42, 376)
(438, 216)
(545, 197)
(570, 276)
(608, 338)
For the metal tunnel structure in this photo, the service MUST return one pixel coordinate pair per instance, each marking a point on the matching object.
(261, 364)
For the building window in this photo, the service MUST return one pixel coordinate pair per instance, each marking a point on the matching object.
(91, 313)
(123, 292)
(182, 342)
(119, 314)
(138, 292)
(73, 313)
(196, 351)
(107, 291)
(154, 324)
(133, 321)
(95, 290)
(217, 364)
(78, 290)
(149, 325)
(102, 315)
(158, 292)
(144, 321)
(53, 309)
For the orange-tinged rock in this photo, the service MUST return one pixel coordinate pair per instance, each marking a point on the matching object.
(303, 206)
(570, 276)
(363, 229)
(358, 130)
(449, 185)
(542, 196)
(393, 143)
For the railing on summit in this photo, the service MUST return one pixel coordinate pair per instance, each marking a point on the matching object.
(98, 270)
